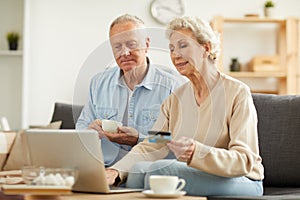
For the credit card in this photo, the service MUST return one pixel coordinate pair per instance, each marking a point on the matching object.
(159, 136)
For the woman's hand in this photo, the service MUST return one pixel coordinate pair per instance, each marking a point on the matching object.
(111, 175)
(183, 148)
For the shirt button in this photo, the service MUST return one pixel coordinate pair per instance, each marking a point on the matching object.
(130, 115)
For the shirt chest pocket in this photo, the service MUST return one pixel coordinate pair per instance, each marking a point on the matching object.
(149, 117)
(107, 113)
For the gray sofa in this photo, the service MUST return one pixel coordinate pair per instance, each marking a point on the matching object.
(279, 142)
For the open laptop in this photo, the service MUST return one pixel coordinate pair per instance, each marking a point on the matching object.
(80, 149)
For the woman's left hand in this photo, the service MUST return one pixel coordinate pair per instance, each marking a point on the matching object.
(111, 175)
(183, 148)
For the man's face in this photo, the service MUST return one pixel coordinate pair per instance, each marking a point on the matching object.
(129, 46)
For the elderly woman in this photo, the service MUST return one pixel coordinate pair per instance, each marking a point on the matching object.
(213, 123)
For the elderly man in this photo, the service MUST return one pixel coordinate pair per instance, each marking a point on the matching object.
(131, 92)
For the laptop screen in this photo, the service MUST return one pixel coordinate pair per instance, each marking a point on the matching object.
(80, 149)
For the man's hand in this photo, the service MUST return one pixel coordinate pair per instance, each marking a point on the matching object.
(183, 148)
(111, 175)
(126, 135)
(97, 125)
(129, 131)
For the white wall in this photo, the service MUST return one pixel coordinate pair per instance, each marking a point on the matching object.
(61, 34)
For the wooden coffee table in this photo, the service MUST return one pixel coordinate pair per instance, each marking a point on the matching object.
(84, 196)
(135, 195)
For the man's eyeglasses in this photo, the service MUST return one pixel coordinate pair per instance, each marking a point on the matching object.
(121, 48)
(131, 45)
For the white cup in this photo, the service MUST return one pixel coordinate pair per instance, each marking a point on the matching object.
(110, 125)
(166, 184)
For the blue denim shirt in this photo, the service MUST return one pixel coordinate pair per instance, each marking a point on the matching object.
(108, 100)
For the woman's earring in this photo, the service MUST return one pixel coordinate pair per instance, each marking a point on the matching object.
(212, 56)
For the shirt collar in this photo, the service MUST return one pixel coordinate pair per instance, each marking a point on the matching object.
(148, 79)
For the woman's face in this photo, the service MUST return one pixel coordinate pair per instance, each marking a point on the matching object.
(186, 53)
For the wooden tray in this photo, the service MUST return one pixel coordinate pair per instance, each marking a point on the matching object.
(36, 189)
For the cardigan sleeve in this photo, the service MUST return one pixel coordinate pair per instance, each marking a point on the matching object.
(144, 151)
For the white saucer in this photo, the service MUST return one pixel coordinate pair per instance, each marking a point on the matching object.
(150, 193)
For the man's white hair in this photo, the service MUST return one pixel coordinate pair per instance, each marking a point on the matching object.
(128, 18)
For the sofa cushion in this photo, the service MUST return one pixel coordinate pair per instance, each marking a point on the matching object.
(282, 191)
(265, 197)
(6, 141)
(52, 125)
(279, 138)
(67, 113)
(19, 154)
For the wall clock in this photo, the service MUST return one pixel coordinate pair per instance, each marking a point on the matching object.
(165, 10)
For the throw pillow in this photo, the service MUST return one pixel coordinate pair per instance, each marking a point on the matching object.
(53, 125)
(6, 141)
(19, 155)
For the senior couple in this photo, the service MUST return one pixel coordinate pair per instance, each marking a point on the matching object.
(211, 117)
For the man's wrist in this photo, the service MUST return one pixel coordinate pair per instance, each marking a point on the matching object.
(125, 139)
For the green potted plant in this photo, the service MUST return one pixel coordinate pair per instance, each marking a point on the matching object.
(13, 40)
(269, 7)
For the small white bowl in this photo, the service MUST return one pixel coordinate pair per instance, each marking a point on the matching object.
(49, 176)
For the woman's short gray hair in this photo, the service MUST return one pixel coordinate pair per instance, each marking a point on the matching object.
(201, 30)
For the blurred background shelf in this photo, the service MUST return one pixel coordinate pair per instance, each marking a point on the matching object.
(284, 33)
(11, 62)
(10, 53)
(253, 20)
(257, 74)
